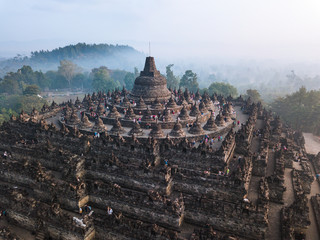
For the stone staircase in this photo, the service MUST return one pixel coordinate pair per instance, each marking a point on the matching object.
(40, 235)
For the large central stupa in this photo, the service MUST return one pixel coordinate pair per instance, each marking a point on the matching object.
(150, 85)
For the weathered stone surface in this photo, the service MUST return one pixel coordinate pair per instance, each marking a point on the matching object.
(187, 185)
(99, 126)
(177, 130)
(150, 85)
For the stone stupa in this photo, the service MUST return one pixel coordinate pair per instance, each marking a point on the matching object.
(196, 128)
(99, 126)
(210, 125)
(220, 120)
(151, 85)
(172, 103)
(141, 104)
(85, 123)
(166, 117)
(156, 131)
(130, 115)
(195, 110)
(136, 130)
(117, 128)
(177, 130)
(114, 113)
(184, 113)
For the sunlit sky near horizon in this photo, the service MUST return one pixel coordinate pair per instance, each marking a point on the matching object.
(242, 29)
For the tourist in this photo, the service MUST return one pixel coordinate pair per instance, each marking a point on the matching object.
(110, 211)
(318, 176)
(166, 162)
(228, 171)
(5, 155)
(80, 210)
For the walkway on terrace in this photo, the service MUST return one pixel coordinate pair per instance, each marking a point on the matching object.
(254, 182)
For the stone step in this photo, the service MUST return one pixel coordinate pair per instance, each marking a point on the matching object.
(40, 235)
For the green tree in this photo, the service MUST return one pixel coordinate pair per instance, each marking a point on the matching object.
(68, 70)
(129, 80)
(254, 95)
(189, 80)
(10, 85)
(29, 77)
(118, 75)
(102, 81)
(42, 81)
(78, 80)
(56, 80)
(224, 89)
(28, 102)
(172, 81)
(301, 110)
(31, 90)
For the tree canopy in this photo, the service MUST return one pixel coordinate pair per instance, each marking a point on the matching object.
(16, 82)
(102, 81)
(172, 80)
(79, 50)
(129, 80)
(31, 90)
(254, 95)
(189, 80)
(301, 110)
(221, 88)
(68, 70)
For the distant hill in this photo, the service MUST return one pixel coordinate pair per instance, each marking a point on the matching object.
(87, 56)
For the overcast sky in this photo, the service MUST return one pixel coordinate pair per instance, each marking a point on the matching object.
(241, 29)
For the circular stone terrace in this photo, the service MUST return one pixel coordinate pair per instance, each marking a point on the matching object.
(183, 115)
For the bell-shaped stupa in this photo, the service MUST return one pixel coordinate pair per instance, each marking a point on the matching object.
(151, 85)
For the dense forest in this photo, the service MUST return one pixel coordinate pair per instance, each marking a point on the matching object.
(301, 110)
(87, 56)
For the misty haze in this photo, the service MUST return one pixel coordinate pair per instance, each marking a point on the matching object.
(135, 119)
